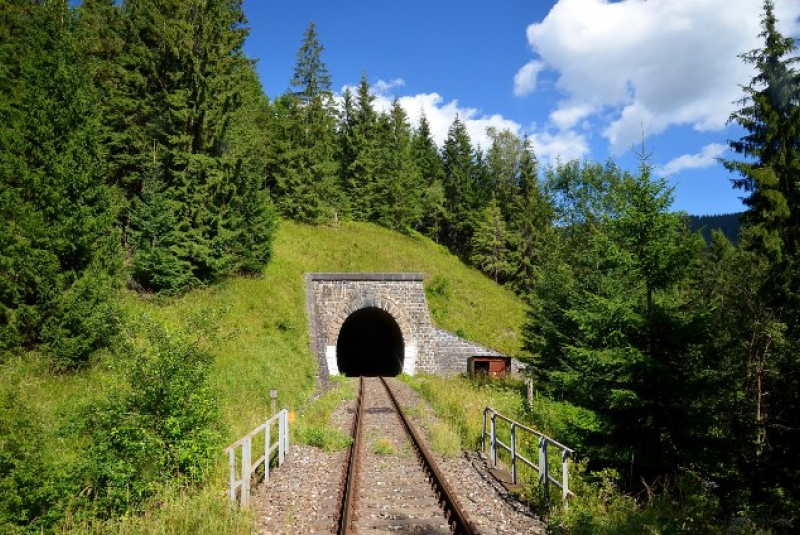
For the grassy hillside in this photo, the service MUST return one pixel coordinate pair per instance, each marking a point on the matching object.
(257, 331)
(261, 324)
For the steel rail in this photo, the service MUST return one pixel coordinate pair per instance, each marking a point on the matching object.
(347, 496)
(455, 515)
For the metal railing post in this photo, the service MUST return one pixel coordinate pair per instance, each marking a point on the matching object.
(513, 453)
(246, 471)
(267, 436)
(281, 432)
(565, 476)
(232, 463)
(494, 438)
(483, 435)
(544, 474)
(286, 428)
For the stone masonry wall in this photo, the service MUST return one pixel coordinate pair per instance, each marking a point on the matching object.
(332, 297)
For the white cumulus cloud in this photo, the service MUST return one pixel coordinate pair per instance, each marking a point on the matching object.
(525, 79)
(652, 64)
(441, 113)
(705, 158)
(564, 145)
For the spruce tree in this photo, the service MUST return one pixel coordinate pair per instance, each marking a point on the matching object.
(614, 330)
(461, 195)
(491, 252)
(187, 95)
(429, 162)
(365, 168)
(769, 174)
(401, 188)
(304, 167)
(531, 223)
(58, 245)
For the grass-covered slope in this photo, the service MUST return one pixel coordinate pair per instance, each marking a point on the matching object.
(261, 324)
(257, 332)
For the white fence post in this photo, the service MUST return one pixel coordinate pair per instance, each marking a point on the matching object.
(280, 438)
(565, 476)
(266, 451)
(286, 430)
(232, 463)
(246, 471)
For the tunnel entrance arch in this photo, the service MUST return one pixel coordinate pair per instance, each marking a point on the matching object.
(370, 343)
(331, 298)
(371, 323)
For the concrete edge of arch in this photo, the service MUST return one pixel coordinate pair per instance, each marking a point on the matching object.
(332, 297)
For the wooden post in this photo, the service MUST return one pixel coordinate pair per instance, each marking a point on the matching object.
(529, 385)
(246, 471)
(232, 463)
(544, 475)
(513, 453)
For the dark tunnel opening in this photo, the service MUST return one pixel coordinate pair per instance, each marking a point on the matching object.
(371, 344)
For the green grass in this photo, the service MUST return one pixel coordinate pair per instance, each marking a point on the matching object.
(257, 330)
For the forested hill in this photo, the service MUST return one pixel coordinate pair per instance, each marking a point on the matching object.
(706, 224)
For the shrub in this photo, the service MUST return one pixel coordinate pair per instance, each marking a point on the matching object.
(29, 483)
(84, 320)
(160, 424)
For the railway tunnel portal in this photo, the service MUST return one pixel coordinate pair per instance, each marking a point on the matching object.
(379, 324)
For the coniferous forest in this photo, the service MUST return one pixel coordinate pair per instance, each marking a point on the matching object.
(138, 150)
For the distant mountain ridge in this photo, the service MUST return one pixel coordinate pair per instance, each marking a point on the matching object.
(729, 224)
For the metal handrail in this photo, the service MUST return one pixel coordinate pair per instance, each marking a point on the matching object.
(544, 441)
(248, 467)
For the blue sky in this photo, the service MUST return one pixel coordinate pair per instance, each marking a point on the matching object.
(581, 77)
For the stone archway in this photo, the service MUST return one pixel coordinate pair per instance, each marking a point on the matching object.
(371, 323)
(397, 298)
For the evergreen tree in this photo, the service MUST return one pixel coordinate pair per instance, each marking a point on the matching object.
(159, 260)
(461, 195)
(365, 170)
(57, 239)
(179, 90)
(303, 167)
(401, 188)
(491, 252)
(613, 331)
(531, 224)
(429, 162)
(770, 176)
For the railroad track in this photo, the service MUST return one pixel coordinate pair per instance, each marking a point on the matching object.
(390, 481)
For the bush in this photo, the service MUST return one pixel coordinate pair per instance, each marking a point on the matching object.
(29, 483)
(160, 424)
(85, 319)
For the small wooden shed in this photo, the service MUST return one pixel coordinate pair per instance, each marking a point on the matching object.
(489, 365)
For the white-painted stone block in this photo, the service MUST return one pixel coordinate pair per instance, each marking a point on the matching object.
(330, 357)
(410, 359)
